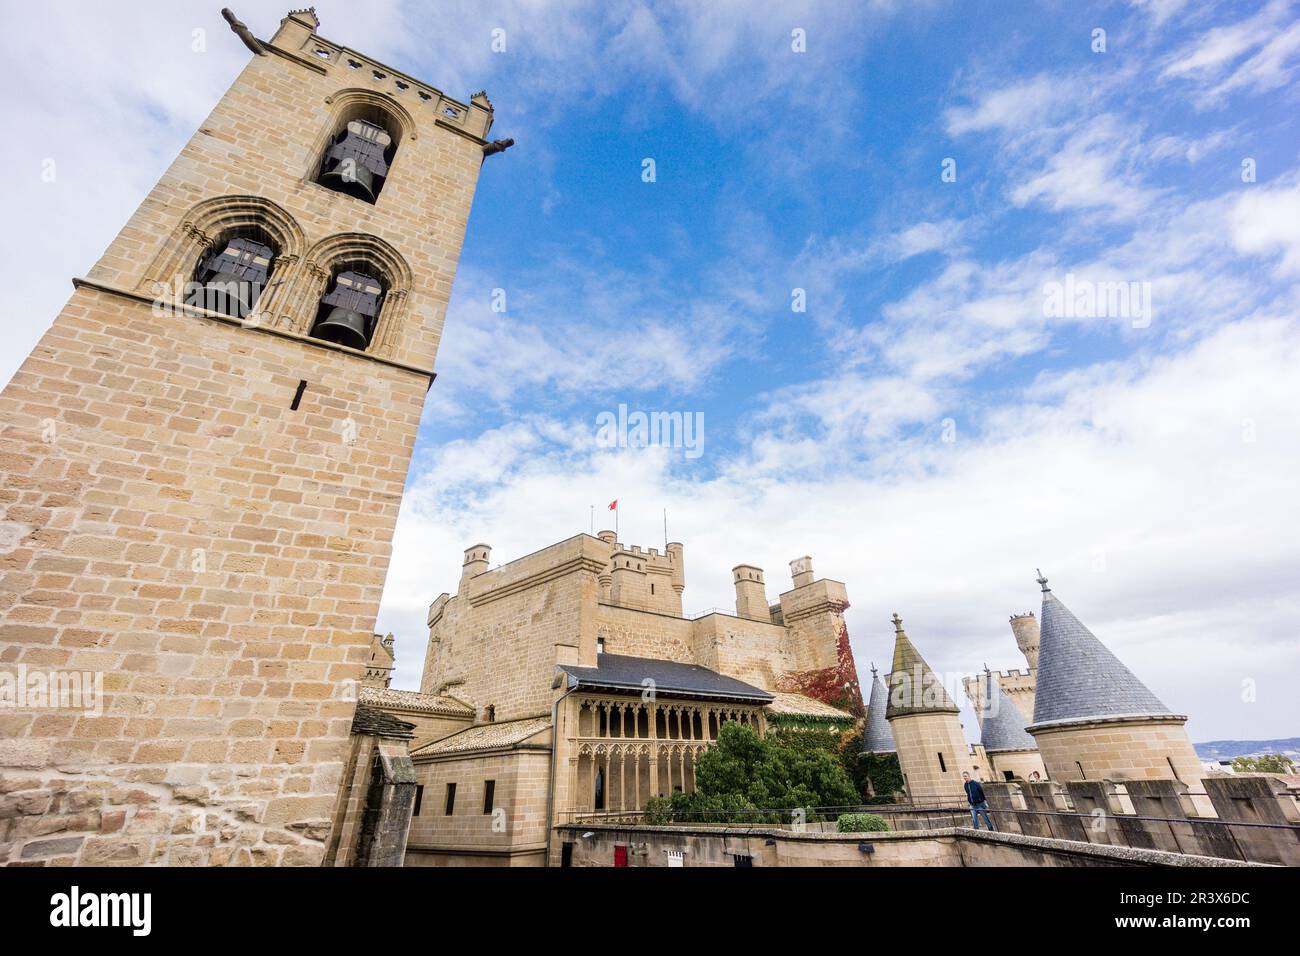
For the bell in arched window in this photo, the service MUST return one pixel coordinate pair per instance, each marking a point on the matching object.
(232, 278)
(349, 310)
(355, 164)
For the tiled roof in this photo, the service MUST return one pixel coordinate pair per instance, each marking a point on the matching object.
(371, 721)
(800, 706)
(1078, 676)
(879, 737)
(618, 672)
(508, 733)
(1002, 723)
(913, 687)
(439, 704)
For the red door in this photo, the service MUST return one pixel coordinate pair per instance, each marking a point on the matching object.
(620, 856)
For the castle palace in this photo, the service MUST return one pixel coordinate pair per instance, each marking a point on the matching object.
(587, 690)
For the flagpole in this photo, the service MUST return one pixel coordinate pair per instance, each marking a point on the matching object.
(665, 531)
(593, 521)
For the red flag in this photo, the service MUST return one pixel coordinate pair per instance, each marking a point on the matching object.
(613, 505)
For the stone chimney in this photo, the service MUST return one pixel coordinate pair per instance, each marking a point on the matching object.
(801, 570)
(1025, 628)
(751, 593)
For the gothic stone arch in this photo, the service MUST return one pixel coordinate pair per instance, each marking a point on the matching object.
(213, 219)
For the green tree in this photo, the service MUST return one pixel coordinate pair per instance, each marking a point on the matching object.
(1265, 763)
(771, 773)
(877, 777)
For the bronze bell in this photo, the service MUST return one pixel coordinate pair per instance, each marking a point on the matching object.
(227, 293)
(233, 277)
(343, 327)
(355, 164)
(349, 310)
(351, 177)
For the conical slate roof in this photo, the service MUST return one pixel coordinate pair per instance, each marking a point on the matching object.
(913, 688)
(1078, 677)
(1003, 726)
(878, 738)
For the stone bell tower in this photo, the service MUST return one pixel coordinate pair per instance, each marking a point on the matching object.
(203, 460)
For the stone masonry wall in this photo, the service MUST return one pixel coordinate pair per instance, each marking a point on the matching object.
(1120, 750)
(499, 640)
(515, 837)
(920, 739)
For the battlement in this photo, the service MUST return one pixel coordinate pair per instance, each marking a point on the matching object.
(1011, 679)
(297, 39)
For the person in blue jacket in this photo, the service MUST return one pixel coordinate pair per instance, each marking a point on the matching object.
(978, 803)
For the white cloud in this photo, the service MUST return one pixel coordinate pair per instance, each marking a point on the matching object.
(1089, 171)
(1266, 221)
(1134, 486)
(1024, 104)
(1258, 53)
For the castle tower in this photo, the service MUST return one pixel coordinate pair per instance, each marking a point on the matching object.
(1025, 628)
(931, 748)
(1093, 719)
(1018, 685)
(478, 558)
(818, 642)
(751, 593)
(204, 456)
(878, 738)
(677, 555)
(379, 668)
(630, 588)
(1011, 751)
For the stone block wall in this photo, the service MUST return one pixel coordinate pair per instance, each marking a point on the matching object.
(1138, 749)
(516, 836)
(1161, 815)
(932, 754)
(687, 846)
(498, 642)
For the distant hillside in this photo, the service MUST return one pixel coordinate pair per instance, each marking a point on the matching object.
(1227, 749)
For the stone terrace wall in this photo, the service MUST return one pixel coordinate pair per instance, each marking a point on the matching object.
(1107, 813)
(719, 846)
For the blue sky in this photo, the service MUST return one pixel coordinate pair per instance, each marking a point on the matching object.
(923, 429)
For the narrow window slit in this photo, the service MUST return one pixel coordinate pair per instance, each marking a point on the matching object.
(297, 396)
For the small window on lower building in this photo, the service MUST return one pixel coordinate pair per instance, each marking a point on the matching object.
(742, 859)
(419, 798)
(1008, 775)
(489, 793)
(451, 798)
